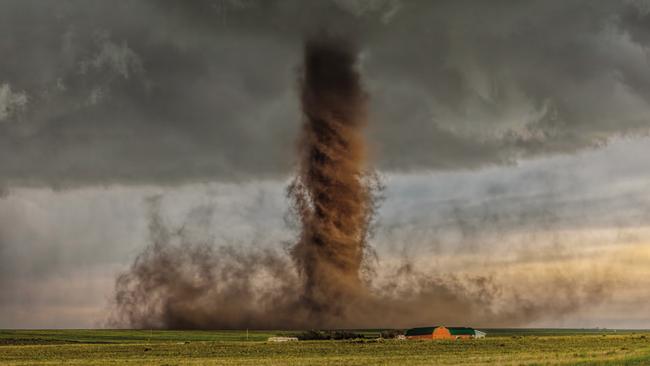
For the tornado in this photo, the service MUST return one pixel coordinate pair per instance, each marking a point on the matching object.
(331, 193)
(177, 282)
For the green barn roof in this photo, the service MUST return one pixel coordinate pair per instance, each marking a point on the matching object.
(461, 331)
(421, 331)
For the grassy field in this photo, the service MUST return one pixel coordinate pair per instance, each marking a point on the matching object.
(501, 347)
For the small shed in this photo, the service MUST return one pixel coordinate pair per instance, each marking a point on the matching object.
(440, 332)
(283, 339)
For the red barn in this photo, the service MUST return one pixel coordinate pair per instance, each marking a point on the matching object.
(440, 332)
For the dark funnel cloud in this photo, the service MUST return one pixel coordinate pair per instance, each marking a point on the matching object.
(331, 194)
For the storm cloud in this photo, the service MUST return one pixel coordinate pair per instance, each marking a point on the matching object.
(167, 92)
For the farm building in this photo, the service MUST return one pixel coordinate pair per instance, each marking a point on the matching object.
(282, 339)
(440, 332)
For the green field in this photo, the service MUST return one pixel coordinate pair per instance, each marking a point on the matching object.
(141, 347)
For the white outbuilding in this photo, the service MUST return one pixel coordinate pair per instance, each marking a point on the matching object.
(283, 339)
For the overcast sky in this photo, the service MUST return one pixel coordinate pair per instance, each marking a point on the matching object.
(511, 137)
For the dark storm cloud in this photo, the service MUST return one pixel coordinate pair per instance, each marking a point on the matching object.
(97, 92)
(489, 82)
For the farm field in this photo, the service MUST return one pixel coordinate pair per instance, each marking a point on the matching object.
(141, 347)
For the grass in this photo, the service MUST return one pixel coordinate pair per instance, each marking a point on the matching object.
(140, 347)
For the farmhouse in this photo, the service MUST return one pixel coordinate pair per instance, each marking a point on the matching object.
(440, 332)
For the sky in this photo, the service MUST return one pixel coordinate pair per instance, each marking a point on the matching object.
(510, 137)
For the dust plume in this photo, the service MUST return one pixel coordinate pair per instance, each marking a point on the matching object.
(178, 282)
(328, 277)
(182, 282)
